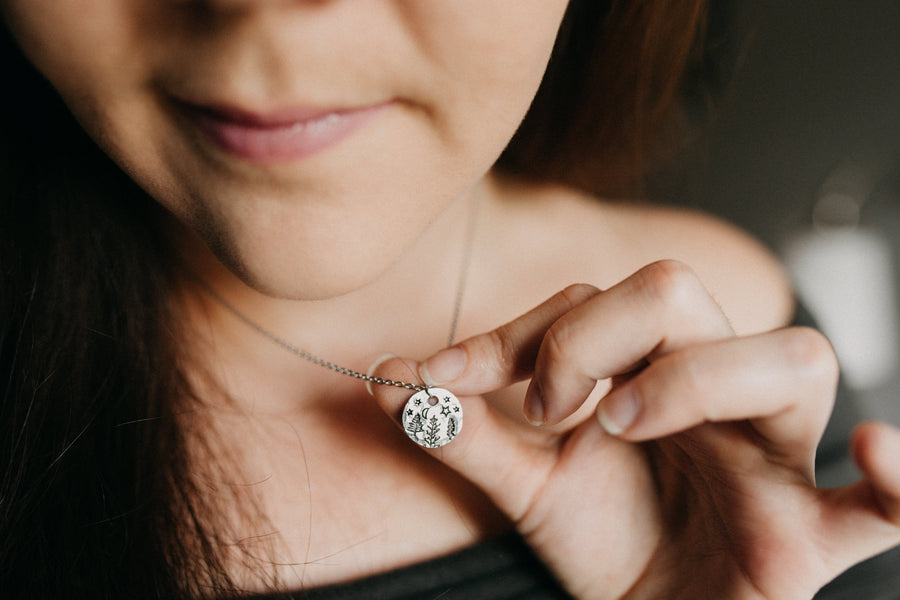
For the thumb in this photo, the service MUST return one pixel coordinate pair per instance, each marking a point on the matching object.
(489, 450)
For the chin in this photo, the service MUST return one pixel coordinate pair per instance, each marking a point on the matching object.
(297, 283)
(305, 290)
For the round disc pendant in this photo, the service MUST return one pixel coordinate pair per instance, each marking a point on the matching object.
(432, 417)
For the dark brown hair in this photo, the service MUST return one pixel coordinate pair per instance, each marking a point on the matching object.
(609, 107)
(94, 491)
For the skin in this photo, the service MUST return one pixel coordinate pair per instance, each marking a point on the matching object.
(719, 500)
(728, 407)
(290, 228)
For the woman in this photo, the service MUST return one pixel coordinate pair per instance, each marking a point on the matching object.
(325, 182)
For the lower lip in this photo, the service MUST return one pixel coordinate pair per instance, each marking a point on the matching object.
(283, 142)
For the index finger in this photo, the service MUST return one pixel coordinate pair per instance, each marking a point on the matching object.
(499, 358)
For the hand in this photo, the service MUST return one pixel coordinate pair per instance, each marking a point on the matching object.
(701, 485)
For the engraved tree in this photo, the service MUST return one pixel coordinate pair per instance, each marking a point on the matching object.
(432, 432)
(451, 428)
(415, 425)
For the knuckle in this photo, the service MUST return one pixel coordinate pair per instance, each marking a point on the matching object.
(810, 351)
(500, 349)
(578, 293)
(692, 375)
(513, 347)
(557, 341)
(683, 377)
(671, 283)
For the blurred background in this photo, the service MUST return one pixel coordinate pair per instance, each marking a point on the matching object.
(804, 152)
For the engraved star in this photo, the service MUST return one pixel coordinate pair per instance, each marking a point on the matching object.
(409, 412)
(445, 411)
(418, 401)
(456, 409)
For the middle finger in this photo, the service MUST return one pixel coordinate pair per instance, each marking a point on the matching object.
(661, 308)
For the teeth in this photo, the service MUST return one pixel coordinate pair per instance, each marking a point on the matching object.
(322, 123)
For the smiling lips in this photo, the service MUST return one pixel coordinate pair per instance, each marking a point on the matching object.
(281, 137)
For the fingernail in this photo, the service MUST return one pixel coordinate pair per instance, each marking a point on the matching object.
(618, 411)
(534, 405)
(374, 366)
(443, 367)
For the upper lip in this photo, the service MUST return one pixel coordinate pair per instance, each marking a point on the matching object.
(271, 119)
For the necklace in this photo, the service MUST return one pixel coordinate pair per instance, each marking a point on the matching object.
(432, 416)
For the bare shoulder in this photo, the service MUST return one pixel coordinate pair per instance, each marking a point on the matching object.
(745, 278)
(586, 239)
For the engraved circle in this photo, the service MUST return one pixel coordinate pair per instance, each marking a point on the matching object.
(432, 424)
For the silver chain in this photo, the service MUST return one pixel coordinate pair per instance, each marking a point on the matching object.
(457, 307)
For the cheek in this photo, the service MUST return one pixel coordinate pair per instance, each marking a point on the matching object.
(100, 57)
(487, 59)
(87, 49)
(76, 45)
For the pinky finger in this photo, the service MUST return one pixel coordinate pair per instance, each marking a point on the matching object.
(876, 448)
(863, 519)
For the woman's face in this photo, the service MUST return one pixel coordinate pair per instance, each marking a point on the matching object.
(308, 142)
